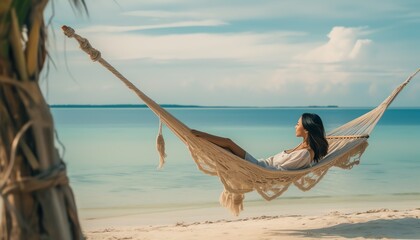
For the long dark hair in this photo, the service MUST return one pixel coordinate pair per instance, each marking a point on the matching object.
(316, 134)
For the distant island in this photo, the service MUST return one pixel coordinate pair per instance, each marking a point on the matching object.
(176, 106)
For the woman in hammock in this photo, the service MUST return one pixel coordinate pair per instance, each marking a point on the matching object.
(313, 147)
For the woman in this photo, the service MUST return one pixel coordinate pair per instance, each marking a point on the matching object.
(313, 147)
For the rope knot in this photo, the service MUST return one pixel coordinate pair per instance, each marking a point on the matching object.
(94, 54)
(85, 46)
(68, 31)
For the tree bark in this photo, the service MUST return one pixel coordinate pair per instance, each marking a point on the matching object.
(38, 202)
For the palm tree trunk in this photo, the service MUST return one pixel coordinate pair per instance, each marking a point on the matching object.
(38, 202)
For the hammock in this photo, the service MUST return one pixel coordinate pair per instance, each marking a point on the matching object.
(346, 145)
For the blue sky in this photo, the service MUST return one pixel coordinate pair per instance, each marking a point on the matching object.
(237, 53)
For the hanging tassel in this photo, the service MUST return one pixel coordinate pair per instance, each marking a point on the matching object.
(232, 201)
(160, 145)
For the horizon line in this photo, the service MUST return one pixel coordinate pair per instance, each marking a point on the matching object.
(203, 106)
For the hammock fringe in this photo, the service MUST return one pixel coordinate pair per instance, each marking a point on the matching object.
(160, 145)
(232, 201)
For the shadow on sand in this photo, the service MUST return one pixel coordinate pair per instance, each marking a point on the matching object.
(405, 228)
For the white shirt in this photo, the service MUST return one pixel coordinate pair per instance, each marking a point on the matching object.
(288, 161)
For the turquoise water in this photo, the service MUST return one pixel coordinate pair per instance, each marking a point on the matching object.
(111, 156)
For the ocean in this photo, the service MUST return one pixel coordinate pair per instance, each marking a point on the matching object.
(112, 159)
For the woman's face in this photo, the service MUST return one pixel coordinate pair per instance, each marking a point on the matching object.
(300, 131)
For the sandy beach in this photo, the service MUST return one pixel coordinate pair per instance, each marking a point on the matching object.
(372, 224)
(360, 220)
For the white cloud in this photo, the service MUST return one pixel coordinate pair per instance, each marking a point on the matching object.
(309, 79)
(230, 10)
(343, 45)
(373, 89)
(336, 71)
(294, 77)
(358, 48)
(165, 14)
(273, 64)
(323, 70)
(309, 76)
(119, 29)
(243, 46)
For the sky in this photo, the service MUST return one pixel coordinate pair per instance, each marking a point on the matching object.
(237, 53)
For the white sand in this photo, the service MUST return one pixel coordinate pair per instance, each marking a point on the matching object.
(384, 218)
(372, 224)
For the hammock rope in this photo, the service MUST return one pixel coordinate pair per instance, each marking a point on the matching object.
(346, 145)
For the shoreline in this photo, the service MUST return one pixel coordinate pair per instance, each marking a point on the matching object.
(281, 204)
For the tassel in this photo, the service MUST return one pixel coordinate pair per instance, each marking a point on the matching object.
(232, 201)
(160, 145)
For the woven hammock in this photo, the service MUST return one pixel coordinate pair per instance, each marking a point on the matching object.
(346, 145)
